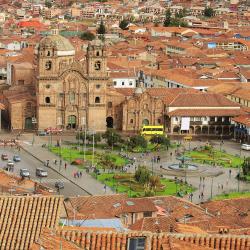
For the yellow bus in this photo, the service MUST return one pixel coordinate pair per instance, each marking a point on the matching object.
(148, 130)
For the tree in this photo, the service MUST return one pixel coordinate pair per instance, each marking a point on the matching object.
(124, 24)
(246, 166)
(87, 36)
(160, 139)
(208, 12)
(142, 175)
(101, 29)
(48, 4)
(112, 137)
(180, 14)
(89, 137)
(167, 20)
(138, 140)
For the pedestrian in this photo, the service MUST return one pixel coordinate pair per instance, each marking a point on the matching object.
(230, 172)
(171, 154)
(47, 164)
(60, 162)
(80, 173)
(202, 195)
(222, 186)
(55, 161)
(65, 166)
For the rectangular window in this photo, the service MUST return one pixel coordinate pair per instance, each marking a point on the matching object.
(147, 214)
(136, 243)
(72, 97)
(114, 83)
(123, 83)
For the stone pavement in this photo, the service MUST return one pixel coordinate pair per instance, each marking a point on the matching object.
(209, 186)
(86, 182)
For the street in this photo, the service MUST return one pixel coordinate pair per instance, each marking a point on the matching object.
(27, 161)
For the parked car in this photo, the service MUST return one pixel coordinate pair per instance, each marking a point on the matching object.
(24, 172)
(59, 185)
(41, 172)
(16, 158)
(245, 146)
(4, 157)
(9, 166)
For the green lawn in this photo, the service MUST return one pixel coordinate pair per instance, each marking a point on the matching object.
(71, 154)
(125, 181)
(232, 195)
(215, 157)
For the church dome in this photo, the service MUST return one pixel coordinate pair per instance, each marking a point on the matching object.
(58, 42)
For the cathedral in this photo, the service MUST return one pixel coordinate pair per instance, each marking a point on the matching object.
(64, 93)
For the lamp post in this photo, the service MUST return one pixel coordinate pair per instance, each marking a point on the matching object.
(212, 182)
(93, 149)
(239, 172)
(84, 149)
(152, 165)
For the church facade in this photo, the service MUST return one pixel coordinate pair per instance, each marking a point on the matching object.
(71, 94)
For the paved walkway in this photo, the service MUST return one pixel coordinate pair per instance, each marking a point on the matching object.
(86, 182)
(208, 184)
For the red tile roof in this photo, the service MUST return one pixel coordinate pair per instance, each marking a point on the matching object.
(202, 100)
(243, 119)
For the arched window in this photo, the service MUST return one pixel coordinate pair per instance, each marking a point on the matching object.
(48, 53)
(159, 121)
(97, 65)
(48, 65)
(131, 121)
(109, 104)
(97, 53)
(97, 99)
(47, 99)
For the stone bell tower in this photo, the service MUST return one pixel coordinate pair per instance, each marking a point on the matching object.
(96, 63)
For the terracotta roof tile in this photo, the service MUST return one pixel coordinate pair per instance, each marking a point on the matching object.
(22, 219)
(202, 100)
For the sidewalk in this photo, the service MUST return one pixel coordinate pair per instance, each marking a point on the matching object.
(86, 182)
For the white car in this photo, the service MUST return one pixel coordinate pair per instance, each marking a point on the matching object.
(245, 146)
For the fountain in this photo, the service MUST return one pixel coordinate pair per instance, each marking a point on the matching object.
(183, 166)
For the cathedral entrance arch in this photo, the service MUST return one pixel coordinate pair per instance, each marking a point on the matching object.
(145, 122)
(28, 123)
(71, 121)
(110, 122)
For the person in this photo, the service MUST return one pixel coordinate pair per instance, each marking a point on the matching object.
(55, 161)
(230, 172)
(65, 166)
(60, 162)
(80, 173)
(47, 164)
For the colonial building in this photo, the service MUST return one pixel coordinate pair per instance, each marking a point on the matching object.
(61, 92)
(64, 93)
